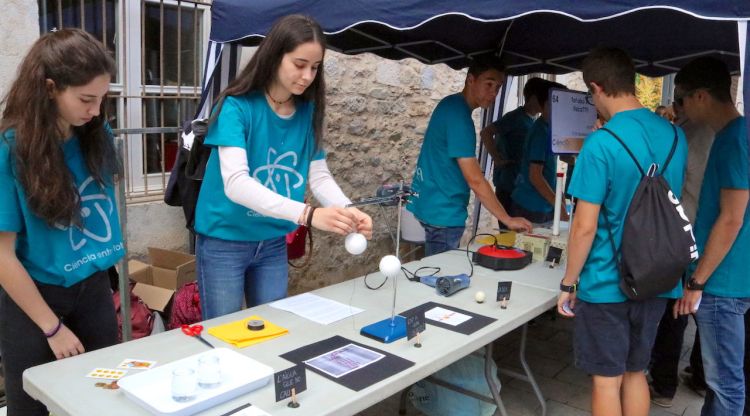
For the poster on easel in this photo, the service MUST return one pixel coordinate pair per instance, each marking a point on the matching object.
(572, 117)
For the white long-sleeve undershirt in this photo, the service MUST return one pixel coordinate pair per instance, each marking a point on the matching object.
(243, 189)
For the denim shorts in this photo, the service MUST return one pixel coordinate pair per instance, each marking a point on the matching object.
(612, 338)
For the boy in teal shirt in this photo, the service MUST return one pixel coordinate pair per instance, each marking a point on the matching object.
(534, 194)
(614, 335)
(718, 289)
(447, 168)
(509, 134)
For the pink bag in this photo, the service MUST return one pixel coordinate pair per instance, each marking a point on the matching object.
(142, 322)
(296, 245)
(186, 307)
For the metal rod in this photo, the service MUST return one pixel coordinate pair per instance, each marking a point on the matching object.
(527, 370)
(489, 376)
(398, 240)
(124, 275)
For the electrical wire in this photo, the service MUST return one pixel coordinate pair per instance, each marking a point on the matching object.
(415, 276)
(367, 285)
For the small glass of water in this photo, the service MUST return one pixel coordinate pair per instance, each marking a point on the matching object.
(184, 384)
(209, 371)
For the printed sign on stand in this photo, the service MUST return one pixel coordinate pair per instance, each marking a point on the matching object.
(572, 117)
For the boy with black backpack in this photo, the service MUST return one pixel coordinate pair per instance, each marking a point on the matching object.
(617, 301)
(718, 288)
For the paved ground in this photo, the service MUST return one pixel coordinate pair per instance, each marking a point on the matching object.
(566, 389)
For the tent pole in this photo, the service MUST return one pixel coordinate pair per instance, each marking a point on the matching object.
(743, 86)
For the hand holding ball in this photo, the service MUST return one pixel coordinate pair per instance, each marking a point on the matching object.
(355, 243)
(390, 265)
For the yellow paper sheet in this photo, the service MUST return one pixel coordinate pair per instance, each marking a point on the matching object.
(507, 238)
(237, 334)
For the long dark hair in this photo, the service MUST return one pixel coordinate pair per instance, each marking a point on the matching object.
(285, 35)
(70, 58)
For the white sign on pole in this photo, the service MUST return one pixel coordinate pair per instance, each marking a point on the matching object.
(572, 117)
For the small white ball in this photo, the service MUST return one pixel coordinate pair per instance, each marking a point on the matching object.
(355, 243)
(479, 297)
(390, 265)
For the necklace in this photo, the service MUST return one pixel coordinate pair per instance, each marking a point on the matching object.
(268, 94)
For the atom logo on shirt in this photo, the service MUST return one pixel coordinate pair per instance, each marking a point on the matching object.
(279, 174)
(96, 209)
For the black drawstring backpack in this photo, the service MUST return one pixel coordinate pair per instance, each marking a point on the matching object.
(657, 237)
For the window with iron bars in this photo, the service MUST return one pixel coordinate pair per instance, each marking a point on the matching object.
(159, 46)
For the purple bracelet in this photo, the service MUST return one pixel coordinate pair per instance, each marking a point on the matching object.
(53, 332)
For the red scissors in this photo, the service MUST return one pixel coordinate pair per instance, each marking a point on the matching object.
(195, 331)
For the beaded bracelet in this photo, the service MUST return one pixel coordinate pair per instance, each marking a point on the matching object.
(54, 332)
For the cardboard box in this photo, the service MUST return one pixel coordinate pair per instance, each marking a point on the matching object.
(171, 269)
(155, 297)
(157, 282)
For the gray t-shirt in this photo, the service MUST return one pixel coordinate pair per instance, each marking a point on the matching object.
(699, 137)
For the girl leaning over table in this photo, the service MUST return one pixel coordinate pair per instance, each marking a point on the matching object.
(59, 230)
(266, 133)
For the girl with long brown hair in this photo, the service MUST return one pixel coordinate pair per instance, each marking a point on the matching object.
(59, 229)
(266, 139)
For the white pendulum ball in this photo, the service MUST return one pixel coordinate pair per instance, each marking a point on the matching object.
(390, 265)
(355, 243)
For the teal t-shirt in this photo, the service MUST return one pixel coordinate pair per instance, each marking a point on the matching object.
(537, 150)
(279, 152)
(60, 255)
(510, 141)
(726, 168)
(605, 175)
(442, 191)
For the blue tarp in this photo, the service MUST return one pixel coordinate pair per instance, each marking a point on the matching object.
(542, 36)
(549, 36)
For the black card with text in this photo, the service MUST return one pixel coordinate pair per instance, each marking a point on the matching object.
(415, 324)
(503, 290)
(291, 378)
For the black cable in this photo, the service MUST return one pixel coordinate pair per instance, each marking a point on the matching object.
(374, 287)
(415, 275)
(471, 240)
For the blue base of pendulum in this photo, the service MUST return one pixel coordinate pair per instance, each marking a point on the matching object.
(387, 330)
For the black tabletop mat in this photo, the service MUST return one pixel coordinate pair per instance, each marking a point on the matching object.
(471, 326)
(356, 380)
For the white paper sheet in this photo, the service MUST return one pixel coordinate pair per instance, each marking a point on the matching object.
(250, 411)
(315, 308)
(446, 316)
(344, 360)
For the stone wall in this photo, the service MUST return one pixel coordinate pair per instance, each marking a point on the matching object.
(377, 114)
(20, 28)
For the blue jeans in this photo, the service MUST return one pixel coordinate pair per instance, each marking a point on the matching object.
(440, 239)
(227, 270)
(721, 323)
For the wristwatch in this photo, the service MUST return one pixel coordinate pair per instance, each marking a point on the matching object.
(693, 284)
(570, 289)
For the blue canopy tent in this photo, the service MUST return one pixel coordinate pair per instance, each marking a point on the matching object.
(549, 36)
